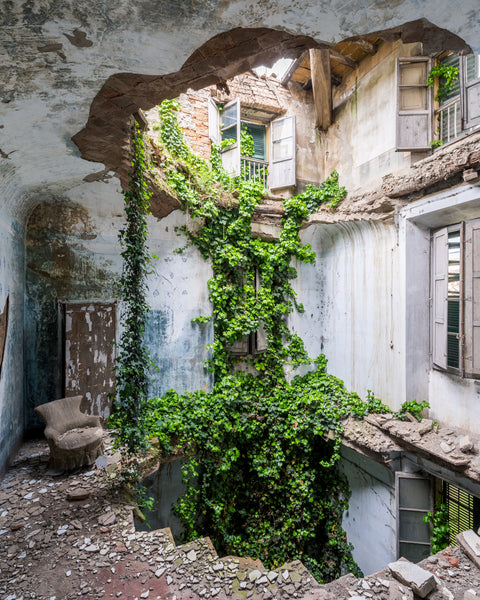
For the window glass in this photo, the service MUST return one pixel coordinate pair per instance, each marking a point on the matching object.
(453, 299)
(452, 60)
(413, 493)
(229, 116)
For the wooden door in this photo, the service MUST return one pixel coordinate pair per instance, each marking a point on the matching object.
(89, 354)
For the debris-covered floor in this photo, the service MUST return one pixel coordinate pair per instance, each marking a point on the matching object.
(69, 536)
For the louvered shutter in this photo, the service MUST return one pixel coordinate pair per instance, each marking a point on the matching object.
(414, 104)
(213, 121)
(471, 91)
(282, 156)
(230, 129)
(260, 335)
(472, 298)
(439, 297)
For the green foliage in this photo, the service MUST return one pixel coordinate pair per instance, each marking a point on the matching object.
(413, 407)
(133, 361)
(447, 75)
(247, 145)
(262, 476)
(440, 537)
(265, 460)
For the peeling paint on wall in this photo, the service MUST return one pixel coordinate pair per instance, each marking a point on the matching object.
(89, 337)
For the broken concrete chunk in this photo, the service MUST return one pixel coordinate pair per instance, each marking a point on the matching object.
(470, 544)
(421, 581)
(446, 447)
(470, 595)
(465, 444)
(78, 494)
(425, 426)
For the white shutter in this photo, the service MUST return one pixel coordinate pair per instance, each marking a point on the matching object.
(470, 91)
(231, 155)
(281, 171)
(414, 104)
(472, 298)
(439, 297)
(414, 495)
(213, 121)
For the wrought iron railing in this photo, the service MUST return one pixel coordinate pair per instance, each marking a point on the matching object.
(254, 168)
(449, 122)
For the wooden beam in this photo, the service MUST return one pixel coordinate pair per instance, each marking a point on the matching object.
(343, 60)
(322, 87)
(366, 46)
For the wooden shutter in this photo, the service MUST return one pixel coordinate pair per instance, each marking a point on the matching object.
(414, 501)
(213, 121)
(230, 129)
(240, 347)
(282, 155)
(414, 104)
(439, 297)
(471, 91)
(260, 335)
(472, 298)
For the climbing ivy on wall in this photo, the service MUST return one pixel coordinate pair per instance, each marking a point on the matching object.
(262, 476)
(133, 361)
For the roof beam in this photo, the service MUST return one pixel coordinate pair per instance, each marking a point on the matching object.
(366, 46)
(322, 87)
(343, 60)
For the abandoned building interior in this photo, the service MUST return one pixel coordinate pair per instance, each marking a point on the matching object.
(393, 298)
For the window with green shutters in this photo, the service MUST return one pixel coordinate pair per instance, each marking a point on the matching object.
(456, 298)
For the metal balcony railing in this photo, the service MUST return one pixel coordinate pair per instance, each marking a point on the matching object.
(254, 168)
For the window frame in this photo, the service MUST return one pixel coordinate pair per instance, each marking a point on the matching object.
(403, 475)
(469, 271)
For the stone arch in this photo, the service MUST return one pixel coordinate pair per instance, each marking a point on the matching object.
(105, 138)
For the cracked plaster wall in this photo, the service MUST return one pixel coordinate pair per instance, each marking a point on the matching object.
(57, 55)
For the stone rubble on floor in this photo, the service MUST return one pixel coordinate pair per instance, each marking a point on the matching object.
(66, 536)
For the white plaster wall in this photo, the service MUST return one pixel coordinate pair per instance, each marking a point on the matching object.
(360, 144)
(352, 299)
(370, 519)
(178, 293)
(11, 380)
(453, 400)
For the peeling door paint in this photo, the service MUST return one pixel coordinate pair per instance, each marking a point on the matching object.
(3, 331)
(89, 336)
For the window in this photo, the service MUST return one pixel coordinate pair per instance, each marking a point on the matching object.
(255, 342)
(463, 510)
(414, 104)
(456, 298)
(227, 123)
(414, 500)
(455, 115)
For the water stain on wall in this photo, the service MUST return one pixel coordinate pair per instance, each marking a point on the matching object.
(61, 265)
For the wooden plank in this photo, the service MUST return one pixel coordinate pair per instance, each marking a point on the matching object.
(322, 87)
(343, 60)
(366, 46)
(3, 331)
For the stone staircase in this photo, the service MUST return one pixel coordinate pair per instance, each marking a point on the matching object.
(154, 567)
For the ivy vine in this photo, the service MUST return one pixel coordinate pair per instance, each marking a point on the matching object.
(261, 474)
(133, 361)
(447, 76)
